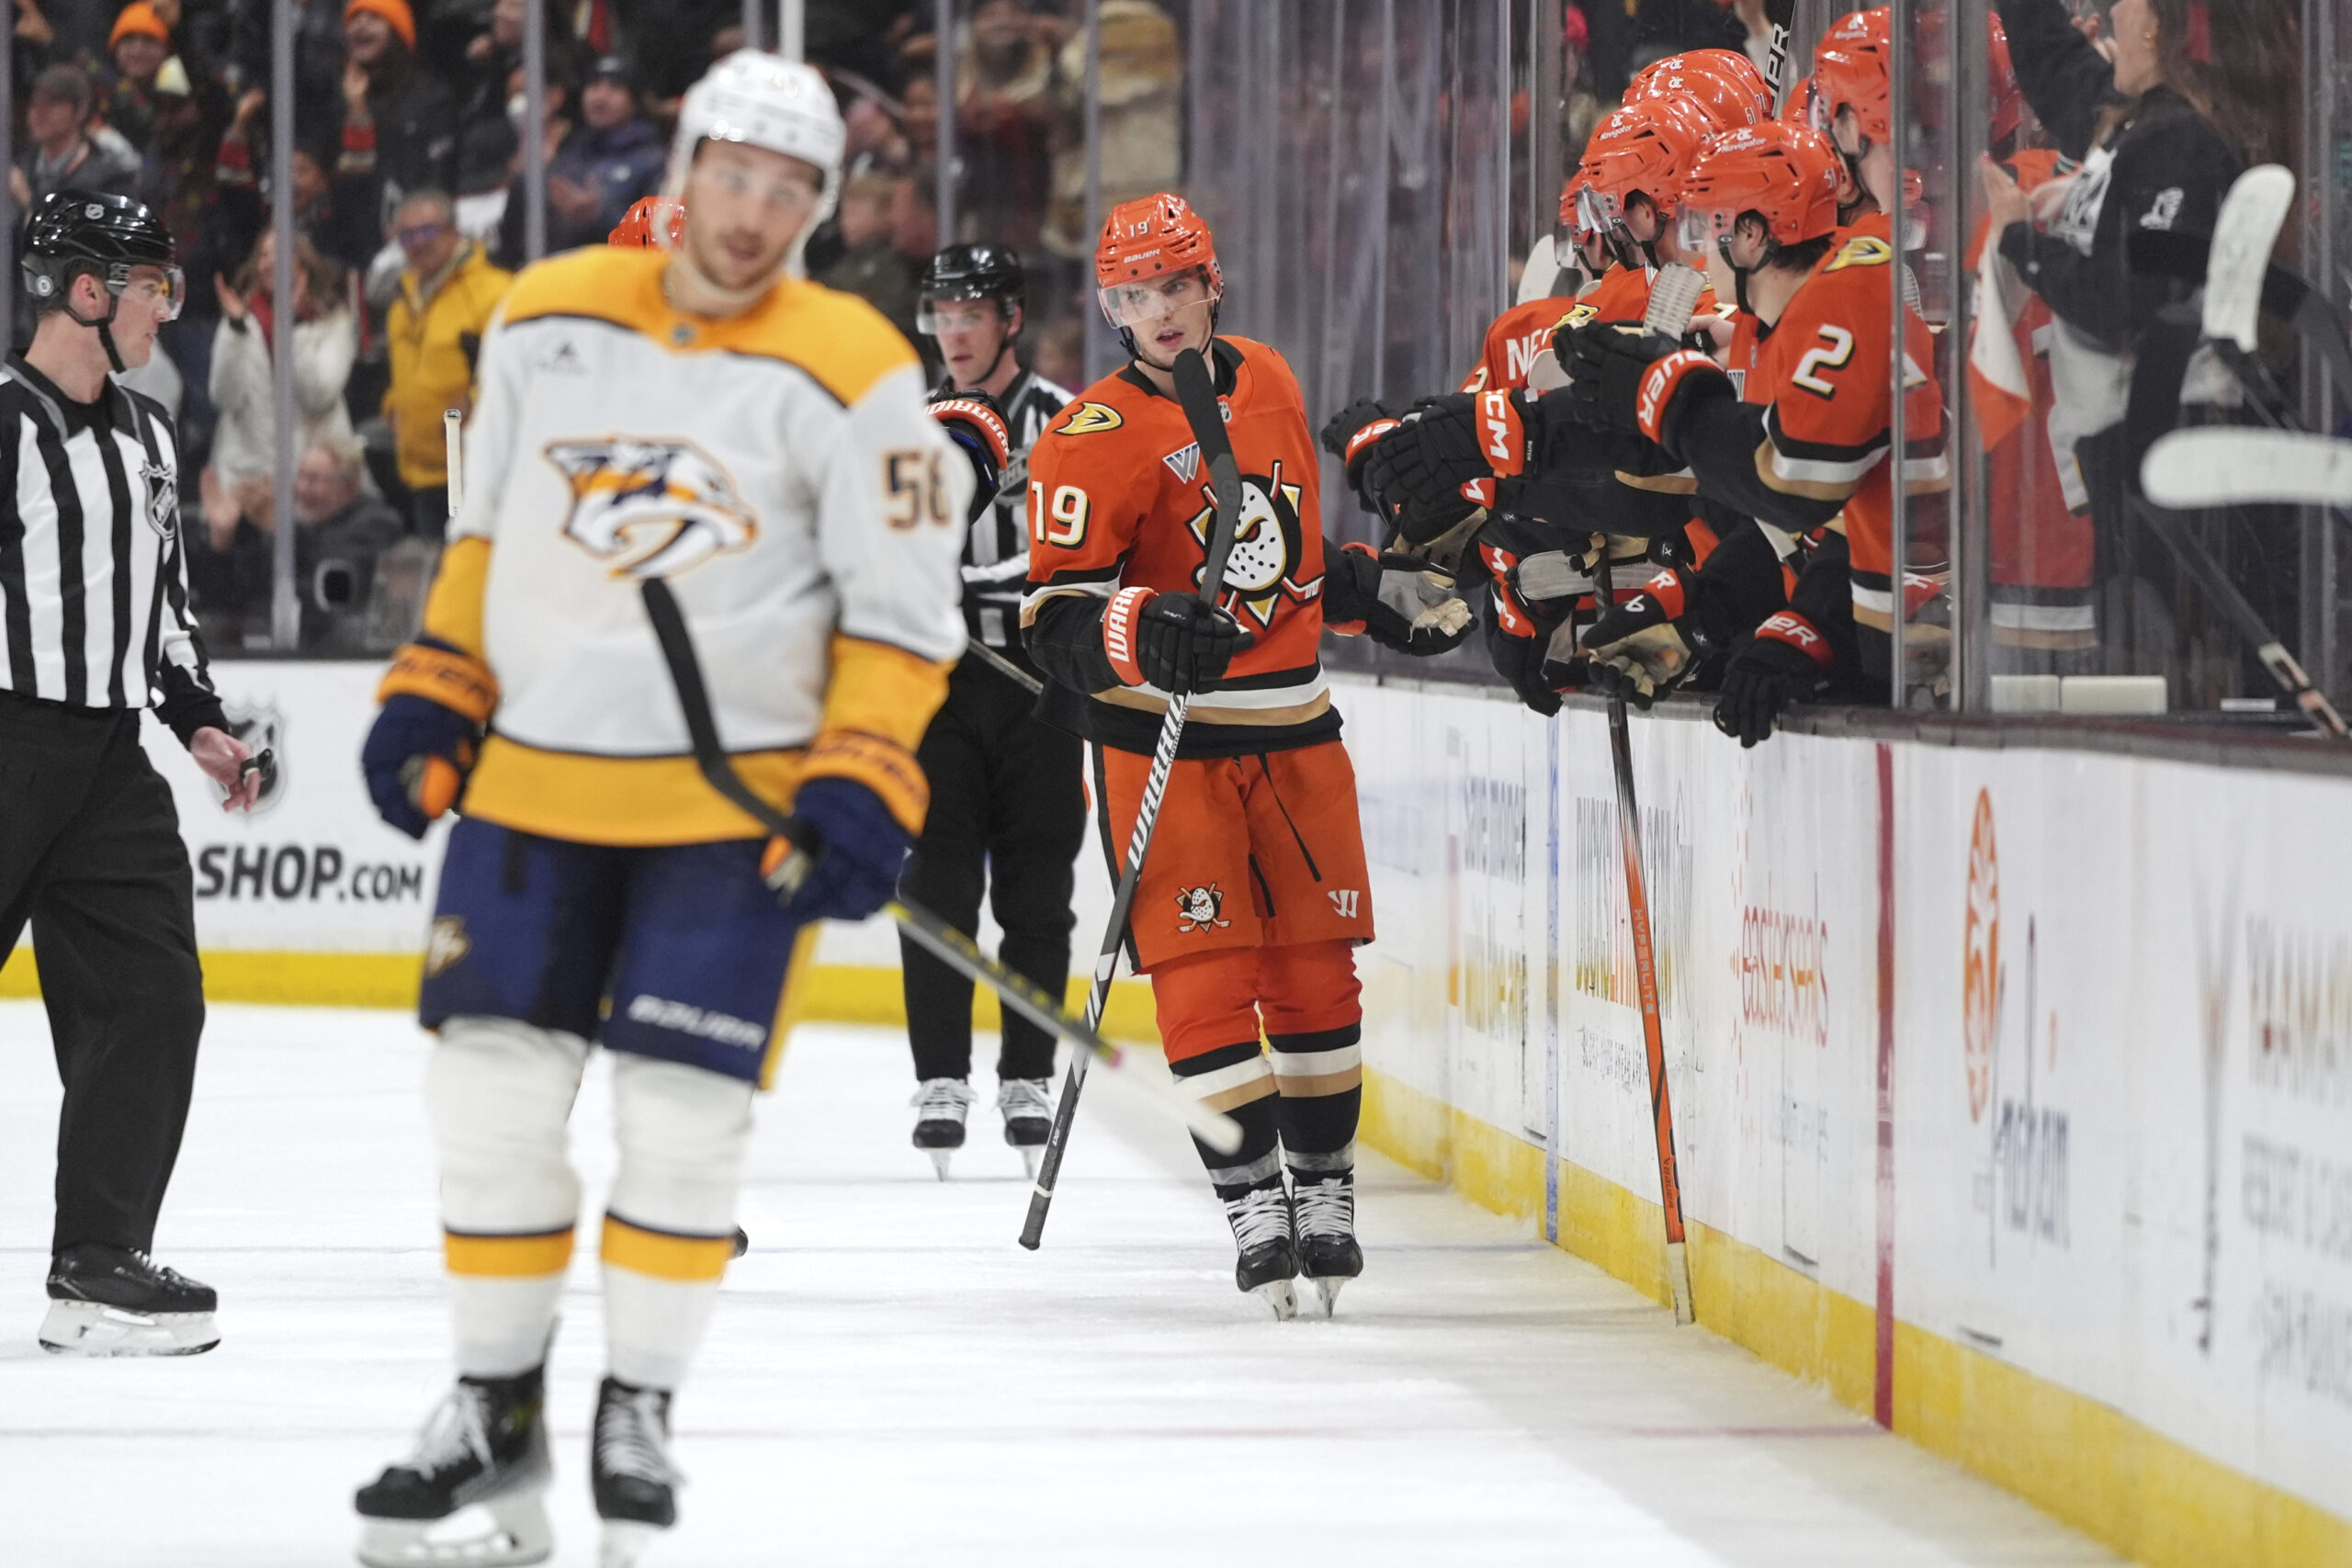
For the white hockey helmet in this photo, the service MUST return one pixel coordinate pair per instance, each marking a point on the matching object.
(764, 100)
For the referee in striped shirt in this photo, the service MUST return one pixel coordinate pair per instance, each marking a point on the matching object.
(94, 625)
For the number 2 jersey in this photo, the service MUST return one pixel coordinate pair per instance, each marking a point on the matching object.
(1119, 497)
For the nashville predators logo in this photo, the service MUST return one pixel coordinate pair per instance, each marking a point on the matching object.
(650, 508)
(1267, 548)
(1088, 418)
(1200, 908)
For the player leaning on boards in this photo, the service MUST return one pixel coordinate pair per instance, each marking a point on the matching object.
(707, 417)
(94, 625)
(1253, 896)
(1007, 805)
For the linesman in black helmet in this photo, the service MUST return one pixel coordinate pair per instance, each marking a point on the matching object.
(1006, 807)
(93, 626)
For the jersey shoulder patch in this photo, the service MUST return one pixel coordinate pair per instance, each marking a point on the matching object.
(1089, 417)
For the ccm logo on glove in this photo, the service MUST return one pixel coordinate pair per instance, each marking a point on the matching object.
(1502, 435)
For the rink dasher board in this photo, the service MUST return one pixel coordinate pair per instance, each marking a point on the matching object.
(2121, 1064)
(313, 883)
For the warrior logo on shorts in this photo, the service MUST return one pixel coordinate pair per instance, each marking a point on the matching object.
(1267, 548)
(1199, 908)
(650, 508)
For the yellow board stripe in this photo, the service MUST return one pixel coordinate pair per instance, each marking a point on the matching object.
(507, 1257)
(830, 993)
(2087, 1463)
(689, 1259)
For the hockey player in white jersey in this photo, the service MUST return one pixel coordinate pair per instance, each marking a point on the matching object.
(704, 416)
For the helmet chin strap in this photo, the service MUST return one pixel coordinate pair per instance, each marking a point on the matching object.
(1738, 275)
(105, 327)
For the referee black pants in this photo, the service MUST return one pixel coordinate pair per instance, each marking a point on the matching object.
(90, 853)
(1008, 809)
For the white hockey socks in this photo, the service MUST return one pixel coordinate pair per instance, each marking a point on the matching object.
(669, 1231)
(498, 1094)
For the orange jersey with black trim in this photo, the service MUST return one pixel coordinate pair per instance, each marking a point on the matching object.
(1825, 370)
(1119, 497)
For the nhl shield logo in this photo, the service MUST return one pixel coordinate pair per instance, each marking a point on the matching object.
(163, 498)
(262, 727)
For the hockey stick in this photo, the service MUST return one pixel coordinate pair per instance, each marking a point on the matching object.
(453, 445)
(1197, 394)
(1778, 16)
(1672, 300)
(1638, 911)
(2226, 465)
(951, 946)
(1005, 667)
(2210, 576)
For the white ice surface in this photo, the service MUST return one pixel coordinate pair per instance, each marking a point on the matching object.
(891, 1380)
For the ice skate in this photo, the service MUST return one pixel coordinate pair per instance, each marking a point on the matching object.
(1325, 1214)
(470, 1493)
(111, 1301)
(941, 1105)
(1028, 1108)
(636, 1492)
(1261, 1230)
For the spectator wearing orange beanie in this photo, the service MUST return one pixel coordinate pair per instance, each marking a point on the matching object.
(395, 14)
(138, 19)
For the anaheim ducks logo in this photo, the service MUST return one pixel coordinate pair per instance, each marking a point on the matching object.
(650, 508)
(1089, 417)
(1267, 548)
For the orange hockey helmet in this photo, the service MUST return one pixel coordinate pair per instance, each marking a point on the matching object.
(1643, 150)
(1159, 236)
(1850, 72)
(1729, 97)
(656, 222)
(1785, 174)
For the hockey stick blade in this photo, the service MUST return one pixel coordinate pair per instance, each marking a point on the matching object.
(2215, 584)
(2244, 232)
(2234, 466)
(950, 945)
(1674, 298)
(1196, 395)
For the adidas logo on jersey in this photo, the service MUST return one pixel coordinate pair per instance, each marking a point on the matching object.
(564, 359)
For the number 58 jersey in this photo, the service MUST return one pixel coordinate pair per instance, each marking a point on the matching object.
(776, 469)
(1119, 497)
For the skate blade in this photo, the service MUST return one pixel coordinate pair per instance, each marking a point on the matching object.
(1281, 1295)
(505, 1532)
(1326, 1288)
(939, 1158)
(626, 1543)
(90, 1329)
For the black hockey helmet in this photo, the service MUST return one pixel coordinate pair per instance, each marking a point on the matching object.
(74, 231)
(971, 272)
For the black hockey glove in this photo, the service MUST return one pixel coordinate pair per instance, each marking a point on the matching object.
(1350, 436)
(1173, 641)
(1785, 662)
(1352, 607)
(1636, 650)
(1606, 362)
(1417, 471)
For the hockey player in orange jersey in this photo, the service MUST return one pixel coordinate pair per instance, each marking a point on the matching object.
(1254, 894)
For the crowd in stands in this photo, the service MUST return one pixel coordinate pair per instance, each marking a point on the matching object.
(409, 202)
